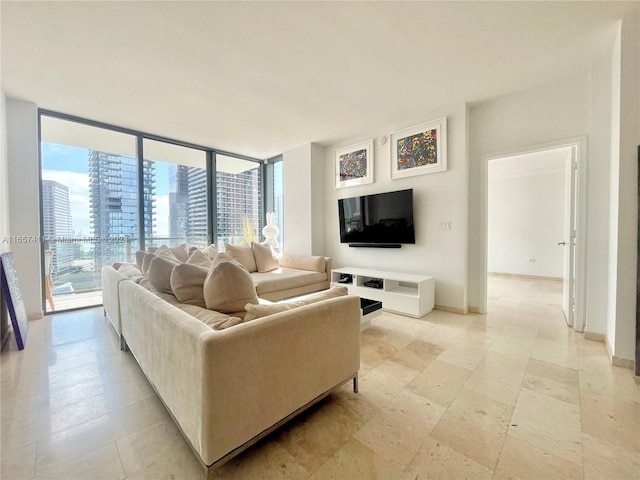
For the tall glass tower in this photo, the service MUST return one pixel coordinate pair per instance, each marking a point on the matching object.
(113, 194)
(56, 216)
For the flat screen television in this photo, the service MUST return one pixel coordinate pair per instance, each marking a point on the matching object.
(378, 220)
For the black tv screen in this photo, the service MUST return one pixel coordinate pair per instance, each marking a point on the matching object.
(379, 219)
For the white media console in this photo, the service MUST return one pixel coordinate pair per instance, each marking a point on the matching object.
(403, 293)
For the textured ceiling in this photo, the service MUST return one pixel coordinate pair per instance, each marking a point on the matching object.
(259, 78)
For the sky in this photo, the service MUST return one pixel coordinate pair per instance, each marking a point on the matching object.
(69, 166)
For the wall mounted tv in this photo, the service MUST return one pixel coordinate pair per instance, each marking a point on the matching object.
(381, 220)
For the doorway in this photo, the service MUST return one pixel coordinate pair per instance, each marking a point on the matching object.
(533, 216)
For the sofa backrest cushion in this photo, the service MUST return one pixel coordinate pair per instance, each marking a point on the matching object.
(303, 262)
(243, 255)
(265, 261)
(187, 283)
(228, 286)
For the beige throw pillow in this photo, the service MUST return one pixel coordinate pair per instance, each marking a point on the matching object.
(199, 258)
(265, 261)
(129, 270)
(159, 273)
(187, 283)
(146, 261)
(180, 252)
(228, 286)
(139, 258)
(211, 251)
(303, 262)
(243, 255)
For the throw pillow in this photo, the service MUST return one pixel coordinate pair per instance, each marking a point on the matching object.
(129, 270)
(243, 255)
(139, 258)
(303, 262)
(211, 251)
(258, 311)
(146, 261)
(199, 258)
(180, 252)
(228, 286)
(159, 273)
(187, 282)
(265, 261)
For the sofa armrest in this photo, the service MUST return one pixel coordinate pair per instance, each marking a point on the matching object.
(259, 372)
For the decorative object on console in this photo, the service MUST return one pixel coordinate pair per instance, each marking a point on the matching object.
(271, 231)
(354, 164)
(420, 149)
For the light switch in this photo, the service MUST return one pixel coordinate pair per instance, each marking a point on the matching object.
(445, 225)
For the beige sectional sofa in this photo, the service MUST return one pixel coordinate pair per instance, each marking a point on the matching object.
(228, 386)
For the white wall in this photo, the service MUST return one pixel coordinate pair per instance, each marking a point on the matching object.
(438, 197)
(4, 177)
(525, 221)
(624, 193)
(24, 199)
(302, 172)
(518, 121)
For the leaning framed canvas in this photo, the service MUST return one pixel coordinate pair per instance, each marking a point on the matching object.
(420, 149)
(13, 295)
(354, 164)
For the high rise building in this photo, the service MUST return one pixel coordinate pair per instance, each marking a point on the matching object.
(178, 202)
(113, 195)
(197, 206)
(187, 205)
(238, 199)
(56, 217)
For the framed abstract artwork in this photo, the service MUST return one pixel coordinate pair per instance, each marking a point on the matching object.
(420, 149)
(354, 164)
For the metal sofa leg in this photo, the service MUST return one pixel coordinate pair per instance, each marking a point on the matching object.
(355, 384)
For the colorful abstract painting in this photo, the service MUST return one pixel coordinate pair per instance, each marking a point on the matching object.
(353, 165)
(419, 149)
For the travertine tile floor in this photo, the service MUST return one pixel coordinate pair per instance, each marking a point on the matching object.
(512, 394)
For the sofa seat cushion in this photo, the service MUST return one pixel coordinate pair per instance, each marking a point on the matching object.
(285, 278)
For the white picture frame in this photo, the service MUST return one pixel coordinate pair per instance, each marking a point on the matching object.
(354, 164)
(419, 150)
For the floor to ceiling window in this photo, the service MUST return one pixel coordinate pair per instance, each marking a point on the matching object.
(89, 208)
(108, 191)
(175, 208)
(239, 201)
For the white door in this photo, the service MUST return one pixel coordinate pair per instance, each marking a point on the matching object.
(569, 240)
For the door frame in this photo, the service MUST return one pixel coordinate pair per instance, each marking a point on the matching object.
(580, 145)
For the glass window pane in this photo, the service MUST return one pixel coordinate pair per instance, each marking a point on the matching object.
(239, 201)
(89, 207)
(175, 195)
